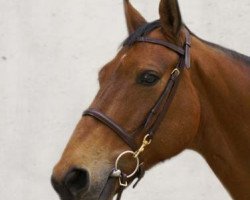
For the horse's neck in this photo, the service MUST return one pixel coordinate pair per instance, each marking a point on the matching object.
(223, 86)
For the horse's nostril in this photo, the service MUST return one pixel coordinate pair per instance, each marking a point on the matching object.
(77, 180)
(61, 189)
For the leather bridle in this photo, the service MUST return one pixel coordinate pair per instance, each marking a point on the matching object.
(153, 118)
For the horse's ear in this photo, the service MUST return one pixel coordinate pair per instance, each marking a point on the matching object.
(133, 18)
(170, 17)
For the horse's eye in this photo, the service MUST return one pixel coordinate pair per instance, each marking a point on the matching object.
(148, 78)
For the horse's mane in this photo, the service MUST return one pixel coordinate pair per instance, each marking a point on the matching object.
(234, 54)
(148, 27)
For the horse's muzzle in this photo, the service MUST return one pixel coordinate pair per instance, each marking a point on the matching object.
(75, 182)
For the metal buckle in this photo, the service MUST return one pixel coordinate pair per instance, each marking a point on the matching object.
(176, 70)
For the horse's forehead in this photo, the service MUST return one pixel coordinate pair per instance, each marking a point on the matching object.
(156, 34)
(137, 55)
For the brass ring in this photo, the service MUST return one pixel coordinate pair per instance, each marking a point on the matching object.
(137, 162)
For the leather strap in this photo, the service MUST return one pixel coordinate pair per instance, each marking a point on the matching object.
(126, 137)
(166, 44)
(187, 49)
(159, 110)
(108, 188)
(167, 96)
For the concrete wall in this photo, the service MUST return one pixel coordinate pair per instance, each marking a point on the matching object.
(50, 53)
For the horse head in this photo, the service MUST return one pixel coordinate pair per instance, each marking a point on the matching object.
(130, 86)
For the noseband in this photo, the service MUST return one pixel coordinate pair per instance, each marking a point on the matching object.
(154, 116)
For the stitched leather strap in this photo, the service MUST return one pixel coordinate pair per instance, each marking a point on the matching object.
(164, 103)
(126, 137)
(159, 110)
(108, 188)
(166, 44)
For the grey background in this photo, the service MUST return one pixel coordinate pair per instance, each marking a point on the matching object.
(50, 53)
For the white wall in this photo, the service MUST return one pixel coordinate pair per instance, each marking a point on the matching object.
(50, 52)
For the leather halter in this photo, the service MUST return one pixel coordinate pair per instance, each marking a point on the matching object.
(156, 114)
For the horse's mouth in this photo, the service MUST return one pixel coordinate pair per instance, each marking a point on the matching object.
(108, 195)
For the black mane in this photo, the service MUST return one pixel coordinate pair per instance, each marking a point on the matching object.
(234, 54)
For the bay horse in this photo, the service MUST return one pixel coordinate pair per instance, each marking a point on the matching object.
(165, 91)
